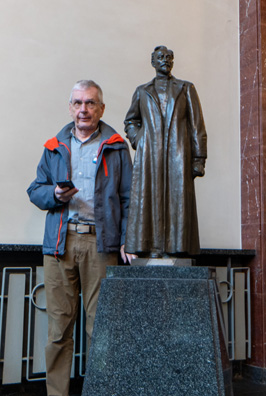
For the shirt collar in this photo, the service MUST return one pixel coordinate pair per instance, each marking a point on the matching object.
(90, 138)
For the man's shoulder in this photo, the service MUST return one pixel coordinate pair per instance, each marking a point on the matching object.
(106, 130)
(109, 133)
(110, 137)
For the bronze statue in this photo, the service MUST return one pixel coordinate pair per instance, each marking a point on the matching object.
(166, 128)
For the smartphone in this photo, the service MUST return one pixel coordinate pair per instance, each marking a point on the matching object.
(65, 183)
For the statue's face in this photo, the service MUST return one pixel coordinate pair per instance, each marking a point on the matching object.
(163, 61)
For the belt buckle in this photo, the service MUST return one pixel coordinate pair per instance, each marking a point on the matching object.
(90, 229)
(79, 229)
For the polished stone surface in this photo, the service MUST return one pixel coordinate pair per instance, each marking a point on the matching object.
(161, 272)
(252, 17)
(169, 261)
(242, 387)
(20, 248)
(11, 247)
(156, 333)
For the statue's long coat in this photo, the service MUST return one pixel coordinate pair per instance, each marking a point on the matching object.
(162, 213)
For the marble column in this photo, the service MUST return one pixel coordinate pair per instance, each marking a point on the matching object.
(253, 166)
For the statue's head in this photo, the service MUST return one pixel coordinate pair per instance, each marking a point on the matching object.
(162, 59)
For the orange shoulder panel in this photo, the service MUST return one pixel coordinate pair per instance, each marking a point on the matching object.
(114, 139)
(51, 144)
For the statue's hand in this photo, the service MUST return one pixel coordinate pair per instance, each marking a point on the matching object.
(198, 167)
(133, 134)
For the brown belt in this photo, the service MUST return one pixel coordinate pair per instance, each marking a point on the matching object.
(82, 228)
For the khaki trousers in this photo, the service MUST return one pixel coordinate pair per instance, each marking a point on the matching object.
(81, 266)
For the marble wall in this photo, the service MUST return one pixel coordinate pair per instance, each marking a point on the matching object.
(253, 157)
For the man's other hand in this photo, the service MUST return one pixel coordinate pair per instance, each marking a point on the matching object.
(127, 256)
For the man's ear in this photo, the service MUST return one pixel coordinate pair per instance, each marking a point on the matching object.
(103, 108)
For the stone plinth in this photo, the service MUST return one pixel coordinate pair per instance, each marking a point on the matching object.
(156, 333)
(180, 262)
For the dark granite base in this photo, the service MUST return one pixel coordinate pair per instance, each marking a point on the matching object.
(156, 333)
(256, 374)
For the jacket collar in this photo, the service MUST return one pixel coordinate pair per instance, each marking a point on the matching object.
(175, 87)
(108, 136)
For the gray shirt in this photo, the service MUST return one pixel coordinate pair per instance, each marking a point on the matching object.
(83, 167)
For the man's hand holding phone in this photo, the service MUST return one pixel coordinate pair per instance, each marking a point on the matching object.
(65, 190)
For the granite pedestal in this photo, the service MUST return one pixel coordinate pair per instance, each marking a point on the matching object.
(157, 332)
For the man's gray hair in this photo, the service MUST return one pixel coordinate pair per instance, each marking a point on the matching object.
(86, 84)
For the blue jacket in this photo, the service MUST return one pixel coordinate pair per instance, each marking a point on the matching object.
(112, 190)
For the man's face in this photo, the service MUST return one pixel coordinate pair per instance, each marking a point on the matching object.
(163, 61)
(85, 109)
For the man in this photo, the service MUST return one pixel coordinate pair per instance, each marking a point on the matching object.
(85, 224)
(166, 128)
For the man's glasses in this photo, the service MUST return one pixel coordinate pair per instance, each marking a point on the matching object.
(91, 104)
